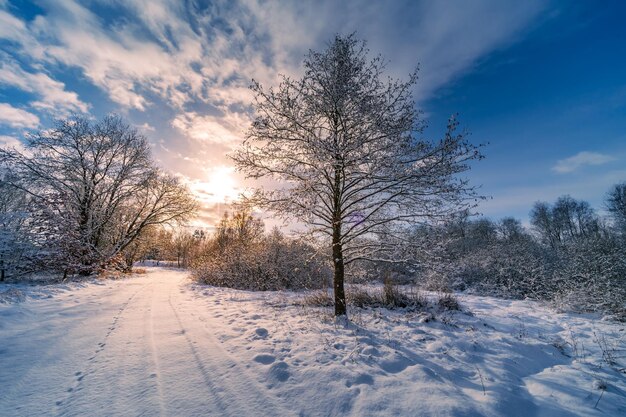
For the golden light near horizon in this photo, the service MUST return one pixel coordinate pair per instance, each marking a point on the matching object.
(221, 186)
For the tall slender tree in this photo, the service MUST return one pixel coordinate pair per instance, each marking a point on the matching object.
(616, 205)
(344, 143)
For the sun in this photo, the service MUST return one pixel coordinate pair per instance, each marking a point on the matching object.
(221, 186)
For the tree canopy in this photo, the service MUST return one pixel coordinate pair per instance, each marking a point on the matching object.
(345, 143)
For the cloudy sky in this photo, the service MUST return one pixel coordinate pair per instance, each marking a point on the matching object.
(543, 82)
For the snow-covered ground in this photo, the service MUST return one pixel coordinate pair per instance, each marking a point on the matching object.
(159, 345)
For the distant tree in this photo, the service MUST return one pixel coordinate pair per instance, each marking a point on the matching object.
(616, 205)
(510, 228)
(239, 227)
(565, 221)
(344, 141)
(98, 187)
(183, 243)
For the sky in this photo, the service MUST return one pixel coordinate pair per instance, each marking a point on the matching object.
(541, 83)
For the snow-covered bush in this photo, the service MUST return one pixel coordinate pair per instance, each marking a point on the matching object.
(240, 255)
(572, 258)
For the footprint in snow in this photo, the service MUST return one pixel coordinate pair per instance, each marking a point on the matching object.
(279, 372)
(395, 366)
(363, 379)
(264, 359)
(261, 332)
(370, 351)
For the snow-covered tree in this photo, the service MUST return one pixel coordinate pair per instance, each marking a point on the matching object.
(14, 241)
(345, 143)
(565, 221)
(616, 205)
(97, 187)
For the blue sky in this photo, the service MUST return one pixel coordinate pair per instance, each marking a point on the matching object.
(544, 82)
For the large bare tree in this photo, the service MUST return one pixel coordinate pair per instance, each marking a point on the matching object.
(343, 142)
(98, 187)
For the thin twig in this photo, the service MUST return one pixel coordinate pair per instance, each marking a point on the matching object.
(481, 379)
(599, 398)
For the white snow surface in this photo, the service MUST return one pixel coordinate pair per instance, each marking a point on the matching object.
(159, 345)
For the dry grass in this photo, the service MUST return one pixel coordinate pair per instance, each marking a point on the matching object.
(359, 297)
(390, 296)
(449, 302)
(321, 298)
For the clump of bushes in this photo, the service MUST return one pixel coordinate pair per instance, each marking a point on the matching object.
(389, 296)
(241, 255)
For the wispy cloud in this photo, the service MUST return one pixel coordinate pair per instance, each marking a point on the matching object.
(580, 160)
(17, 118)
(51, 94)
(224, 129)
(184, 67)
(185, 54)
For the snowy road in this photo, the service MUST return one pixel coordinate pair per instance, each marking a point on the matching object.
(159, 345)
(143, 348)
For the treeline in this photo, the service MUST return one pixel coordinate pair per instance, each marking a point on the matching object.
(238, 254)
(570, 255)
(79, 196)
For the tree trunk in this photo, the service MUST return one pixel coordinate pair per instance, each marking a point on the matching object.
(340, 294)
(2, 273)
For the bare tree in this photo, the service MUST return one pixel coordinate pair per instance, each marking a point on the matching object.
(98, 186)
(343, 141)
(15, 239)
(616, 205)
(567, 220)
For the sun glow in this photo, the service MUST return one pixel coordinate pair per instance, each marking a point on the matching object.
(221, 186)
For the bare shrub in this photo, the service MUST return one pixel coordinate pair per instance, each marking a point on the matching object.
(449, 302)
(360, 297)
(320, 298)
(391, 296)
(240, 255)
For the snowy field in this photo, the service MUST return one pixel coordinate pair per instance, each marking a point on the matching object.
(159, 345)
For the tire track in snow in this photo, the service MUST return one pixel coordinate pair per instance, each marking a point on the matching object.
(155, 359)
(198, 361)
(268, 405)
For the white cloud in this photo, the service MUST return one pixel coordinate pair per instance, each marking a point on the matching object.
(187, 53)
(580, 160)
(146, 127)
(51, 93)
(445, 37)
(198, 59)
(225, 130)
(15, 30)
(17, 118)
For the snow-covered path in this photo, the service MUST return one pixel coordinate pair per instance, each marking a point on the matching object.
(140, 348)
(159, 345)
